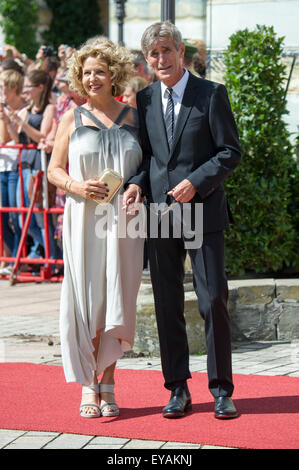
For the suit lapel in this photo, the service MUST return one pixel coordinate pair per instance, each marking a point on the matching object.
(186, 106)
(155, 120)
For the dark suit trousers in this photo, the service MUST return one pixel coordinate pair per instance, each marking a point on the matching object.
(167, 257)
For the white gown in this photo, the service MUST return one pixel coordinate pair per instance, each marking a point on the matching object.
(101, 275)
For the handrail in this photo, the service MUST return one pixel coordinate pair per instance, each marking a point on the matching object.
(26, 214)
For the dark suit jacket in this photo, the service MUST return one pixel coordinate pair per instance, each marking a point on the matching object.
(205, 148)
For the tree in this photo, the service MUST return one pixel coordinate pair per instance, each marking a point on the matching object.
(72, 22)
(260, 190)
(19, 22)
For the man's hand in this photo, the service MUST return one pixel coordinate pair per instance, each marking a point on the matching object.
(183, 192)
(132, 195)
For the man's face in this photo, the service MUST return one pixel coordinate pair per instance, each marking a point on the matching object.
(166, 61)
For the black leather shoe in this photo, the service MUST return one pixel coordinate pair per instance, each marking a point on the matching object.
(224, 408)
(180, 402)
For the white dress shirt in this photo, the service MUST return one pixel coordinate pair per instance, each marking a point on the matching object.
(177, 95)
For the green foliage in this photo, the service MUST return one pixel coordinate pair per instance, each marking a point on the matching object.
(19, 21)
(72, 22)
(260, 191)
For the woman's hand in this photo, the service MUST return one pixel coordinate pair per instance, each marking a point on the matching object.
(14, 117)
(12, 51)
(61, 55)
(45, 145)
(40, 53)
(90, 189)
(64, 53)
(3, 115)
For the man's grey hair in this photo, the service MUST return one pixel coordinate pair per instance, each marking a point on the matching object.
(158, 31)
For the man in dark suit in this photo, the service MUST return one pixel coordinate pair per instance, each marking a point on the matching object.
(190, 145)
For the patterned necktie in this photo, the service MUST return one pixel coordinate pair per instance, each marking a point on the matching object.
(169, 117)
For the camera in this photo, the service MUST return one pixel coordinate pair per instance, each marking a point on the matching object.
(49, 52)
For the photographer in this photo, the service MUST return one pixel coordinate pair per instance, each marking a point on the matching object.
(46, 59)
(41, 56)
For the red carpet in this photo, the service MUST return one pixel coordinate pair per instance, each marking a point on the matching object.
(36, 398)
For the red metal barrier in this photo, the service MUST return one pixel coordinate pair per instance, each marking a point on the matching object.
(21, 256)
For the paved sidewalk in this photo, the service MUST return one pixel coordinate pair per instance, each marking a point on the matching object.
(29, 333)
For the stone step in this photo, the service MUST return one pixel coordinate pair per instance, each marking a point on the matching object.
(260, 309)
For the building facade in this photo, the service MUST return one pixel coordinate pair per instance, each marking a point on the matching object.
(212, 21)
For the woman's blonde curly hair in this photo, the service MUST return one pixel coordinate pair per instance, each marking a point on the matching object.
(117, 58)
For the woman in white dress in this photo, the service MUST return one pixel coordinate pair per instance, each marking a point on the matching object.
(102, 270)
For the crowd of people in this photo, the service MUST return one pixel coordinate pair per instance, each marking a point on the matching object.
(34, 95)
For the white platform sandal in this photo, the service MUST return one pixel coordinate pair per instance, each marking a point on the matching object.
(108, 408)
(96, 409)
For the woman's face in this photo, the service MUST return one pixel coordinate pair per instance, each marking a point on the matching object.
(7, 94)
(30, 91)
(62, 85)
(129, 97)
(96, 77)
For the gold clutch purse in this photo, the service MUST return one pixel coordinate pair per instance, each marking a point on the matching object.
(114, 181)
